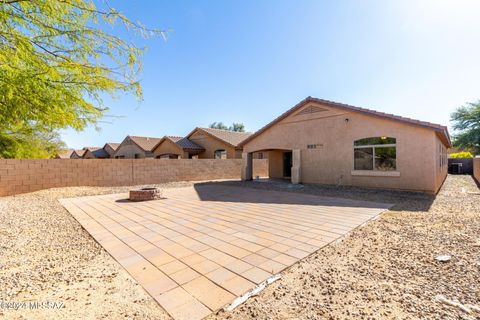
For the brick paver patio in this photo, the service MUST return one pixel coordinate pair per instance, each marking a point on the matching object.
(203, 246)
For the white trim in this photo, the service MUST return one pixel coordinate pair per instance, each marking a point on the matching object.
(375, 173)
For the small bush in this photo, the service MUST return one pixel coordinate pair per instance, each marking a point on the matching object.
(463, 154)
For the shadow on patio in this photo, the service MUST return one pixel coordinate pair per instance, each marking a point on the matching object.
(328, 195)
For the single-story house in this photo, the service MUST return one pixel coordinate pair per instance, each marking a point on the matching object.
(217, 143)
(75, 155)
(173, 147)
(134, 147)
(110, 148)
(325, 142)
(66, 154)
(84, 153)
(98, 153)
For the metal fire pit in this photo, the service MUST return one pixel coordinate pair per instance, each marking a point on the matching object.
(145, 194)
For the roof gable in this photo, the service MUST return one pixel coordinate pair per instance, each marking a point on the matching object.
(181, 142)
(147, 144)
(232, 138)
(80, 153)
(99, 152)
(442, 131)
(66, 154)
(112, 145)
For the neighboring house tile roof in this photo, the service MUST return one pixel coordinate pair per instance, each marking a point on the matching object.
(232, 138)
(182, 142)
(185, 143)
(66, 154)
(145, 143)
(441, 130)
(112, 145)
(98, 152)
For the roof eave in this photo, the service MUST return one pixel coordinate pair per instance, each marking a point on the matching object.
(344, 107)
(211, 135)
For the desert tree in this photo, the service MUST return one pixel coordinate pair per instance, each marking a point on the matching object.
(58, 61)
(466, 123)
(238, 127)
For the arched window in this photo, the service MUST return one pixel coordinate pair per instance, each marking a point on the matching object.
(220, 154)
(376, 153)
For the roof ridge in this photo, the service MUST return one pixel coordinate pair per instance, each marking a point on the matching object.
(309, 98)
(144, 137)
(225, 130)
(333, 104)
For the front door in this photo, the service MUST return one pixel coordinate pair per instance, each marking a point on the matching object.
(287, 164)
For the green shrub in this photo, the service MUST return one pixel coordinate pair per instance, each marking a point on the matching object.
(463, 154)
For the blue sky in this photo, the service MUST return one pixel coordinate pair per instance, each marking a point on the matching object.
(249, 61)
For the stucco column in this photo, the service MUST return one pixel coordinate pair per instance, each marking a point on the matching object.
(296, 166)
(247, 166)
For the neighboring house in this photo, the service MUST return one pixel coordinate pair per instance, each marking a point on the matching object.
(78, 154)
(75, 155)
(97, 153)
(84, 153)
(110, 148)
(172, 147)
(133, 147)
(320, 141)
(67, 154)
(218, 144)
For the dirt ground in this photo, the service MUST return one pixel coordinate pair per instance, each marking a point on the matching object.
(384, 270)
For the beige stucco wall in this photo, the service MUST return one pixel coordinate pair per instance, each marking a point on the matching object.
(128, 149)
(169, 147)
(332, 161)
(26, 175)
(211, 144)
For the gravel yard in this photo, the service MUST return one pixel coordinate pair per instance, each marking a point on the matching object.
(46, 256)
(386, 269)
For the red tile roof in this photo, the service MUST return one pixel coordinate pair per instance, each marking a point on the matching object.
(441, 130)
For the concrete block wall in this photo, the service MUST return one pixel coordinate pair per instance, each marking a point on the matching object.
(476, 169)
(26, 175)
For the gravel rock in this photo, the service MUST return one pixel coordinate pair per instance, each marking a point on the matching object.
(383, 270)
(46, 256)
(387, 268)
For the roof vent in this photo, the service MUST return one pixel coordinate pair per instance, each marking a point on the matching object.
(311, 109)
